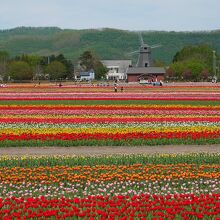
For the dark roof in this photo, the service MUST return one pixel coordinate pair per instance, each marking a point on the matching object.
(146, 70)
(85, 73)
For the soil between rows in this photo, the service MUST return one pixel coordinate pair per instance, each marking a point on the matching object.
(108, 150)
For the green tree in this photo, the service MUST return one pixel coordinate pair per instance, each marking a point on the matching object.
(159, 63)
(56, 70)
(193, 62)
(68, 64)
(4, 55)
(89, 61)
(4, 58)
(196, 67)
(46, 60)
(205, 75)
(100, 70)
(187, 74)
(193, 70)
(178, 68)
(20, 70)
(202, 53)
(35, 63)
(170, 73)
(32, 60)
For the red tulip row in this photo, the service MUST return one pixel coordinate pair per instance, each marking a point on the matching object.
(141, 206)
(118, 136)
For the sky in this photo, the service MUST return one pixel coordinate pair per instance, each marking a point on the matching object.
(163, 15)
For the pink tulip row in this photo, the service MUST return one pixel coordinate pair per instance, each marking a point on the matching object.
(106, 120)
(107, 112)
(110, 96)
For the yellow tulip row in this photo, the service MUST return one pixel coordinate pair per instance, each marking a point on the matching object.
(109, 130)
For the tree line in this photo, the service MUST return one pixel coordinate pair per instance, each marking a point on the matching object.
(53, 67)
(107, 43)
(191, 63)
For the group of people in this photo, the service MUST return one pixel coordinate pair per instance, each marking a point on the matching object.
(116, 89)
(3, 85)
(116, 86)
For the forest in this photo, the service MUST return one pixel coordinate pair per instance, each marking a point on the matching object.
(52, 53)
(106, 43)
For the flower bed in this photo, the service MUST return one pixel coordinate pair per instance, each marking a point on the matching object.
(121, 124)
(112, 187)
(188, 92)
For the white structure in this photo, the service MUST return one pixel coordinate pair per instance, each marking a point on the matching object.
(88, 76)
(116, 68)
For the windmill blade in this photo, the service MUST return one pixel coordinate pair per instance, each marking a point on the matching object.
(138, 60)
(156, 46)
(133, 52)
(141, 38)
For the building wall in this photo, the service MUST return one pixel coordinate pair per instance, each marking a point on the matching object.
(160, 78)
(116, 68)
(87, 75)
(135, 77)
(115, 76)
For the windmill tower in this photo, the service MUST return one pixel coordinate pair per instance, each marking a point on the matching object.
(144, 58)
(144, 68)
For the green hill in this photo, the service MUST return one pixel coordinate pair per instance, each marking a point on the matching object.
(106, 43)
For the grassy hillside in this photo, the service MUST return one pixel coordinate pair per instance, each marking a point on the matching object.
(107, 43)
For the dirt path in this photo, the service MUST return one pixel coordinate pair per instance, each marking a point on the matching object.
(103, 150)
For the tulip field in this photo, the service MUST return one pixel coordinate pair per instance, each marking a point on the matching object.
(96, 116)
(157, 186)
(111, 187)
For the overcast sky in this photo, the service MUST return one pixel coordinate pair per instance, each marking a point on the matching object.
(176, 15)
